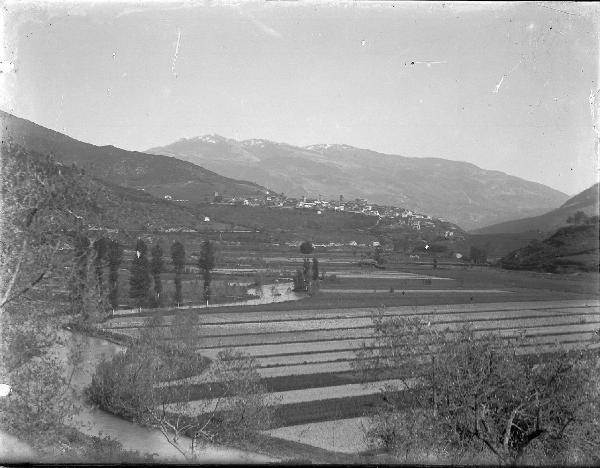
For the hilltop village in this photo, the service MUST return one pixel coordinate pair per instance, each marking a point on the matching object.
(385, 214)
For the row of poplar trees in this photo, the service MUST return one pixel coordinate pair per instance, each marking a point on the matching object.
(144, 273)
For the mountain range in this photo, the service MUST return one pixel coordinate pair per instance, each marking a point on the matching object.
(190, 169)
(155, 174)
(459, 192)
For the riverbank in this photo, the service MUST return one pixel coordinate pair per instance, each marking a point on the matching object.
(95, 422)
(258, 295)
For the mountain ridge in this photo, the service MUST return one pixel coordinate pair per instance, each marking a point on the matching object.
(160, 175)
(455, 190)
(586, 201)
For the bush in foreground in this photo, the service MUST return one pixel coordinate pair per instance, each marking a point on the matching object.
(150, 385)
(466, 395)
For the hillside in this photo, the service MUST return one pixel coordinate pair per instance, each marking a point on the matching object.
(497, 246)
(158, 175)
(117, 208)
(457, 191)
(586, 201)
(571, 248)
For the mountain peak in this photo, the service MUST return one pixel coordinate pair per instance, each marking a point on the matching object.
(328, 146)
(256, 142)
(213, 138)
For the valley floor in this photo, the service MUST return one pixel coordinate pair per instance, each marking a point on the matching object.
(306, 349)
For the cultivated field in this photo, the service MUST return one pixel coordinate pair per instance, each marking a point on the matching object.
(305, 349)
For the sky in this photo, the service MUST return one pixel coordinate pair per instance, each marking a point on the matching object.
(506, 86)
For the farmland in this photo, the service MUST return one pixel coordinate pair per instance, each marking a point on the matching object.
(305, 349)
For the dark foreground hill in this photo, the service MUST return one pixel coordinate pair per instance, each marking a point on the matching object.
(116, 208)
(457, 191)
(586, 201)
(158, 175)
(571, 248)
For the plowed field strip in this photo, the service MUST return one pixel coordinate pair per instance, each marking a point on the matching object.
(208, 331)
(325, 410)
(542, 344)
(345, 366)
(292, 396)
(413, 291)
(221, 317)
(346, 316)
(287, 337)
(328, 343)
(349, 354)
(465, 315)
(293, 382)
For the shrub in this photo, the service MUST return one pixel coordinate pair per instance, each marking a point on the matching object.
(463, 394)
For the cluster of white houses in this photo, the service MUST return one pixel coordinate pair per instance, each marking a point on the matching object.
(271, 199)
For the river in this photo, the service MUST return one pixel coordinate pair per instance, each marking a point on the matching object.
(93, 421)
(267, 294)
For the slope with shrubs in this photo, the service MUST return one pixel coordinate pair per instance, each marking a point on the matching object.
(571, 248)
(117, 207)
(586, 202)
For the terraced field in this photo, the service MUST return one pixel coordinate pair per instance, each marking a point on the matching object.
(306, 356)
(305, 349)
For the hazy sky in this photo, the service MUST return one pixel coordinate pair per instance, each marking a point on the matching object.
(506, 87)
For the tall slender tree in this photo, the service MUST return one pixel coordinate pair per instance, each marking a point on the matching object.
(206, 262)
(178, 257)
(315, 269)
(101, 250)
(114, 256)
(139, 277)
(79, 275)
(156, 268)
(306, 273)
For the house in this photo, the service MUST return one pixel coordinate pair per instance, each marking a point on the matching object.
(191, 269)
